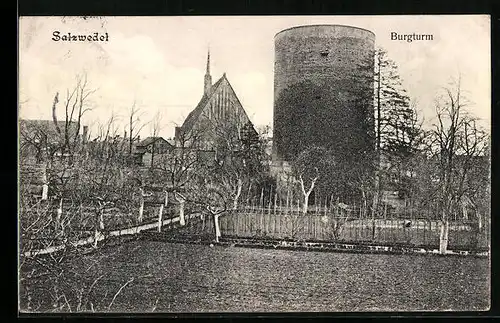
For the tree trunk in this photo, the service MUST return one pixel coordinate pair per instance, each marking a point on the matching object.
(216, 227)
(153, 155)
(45, 191)
(96, 236)
(443, 237)
(306, 202)
(237, 195)
(59, 215)
(141, 210)
(306, 194)
(464, 211)
(160, 217)
(182, 220)
(101, 219)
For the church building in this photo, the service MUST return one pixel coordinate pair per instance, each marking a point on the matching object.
(219, 114)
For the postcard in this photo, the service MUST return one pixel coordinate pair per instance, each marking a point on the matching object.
(241, 164)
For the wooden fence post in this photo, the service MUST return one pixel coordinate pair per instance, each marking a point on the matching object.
(274, 216)
(413, 230)
(289, 222)
(287, 200)
(299, 221)
(237, 231)
(314, 218)
(425, 226)
(275, 197)
(261, 213)
(309, 226)
(270, 200)
(357, 223)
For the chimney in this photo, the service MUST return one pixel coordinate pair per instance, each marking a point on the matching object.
(85, 133)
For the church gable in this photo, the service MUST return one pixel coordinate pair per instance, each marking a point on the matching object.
(219, 113)
(223, 105)
(218, 108)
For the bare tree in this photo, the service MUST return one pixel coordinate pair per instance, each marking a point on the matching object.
(310, 166)
(456, 144)
(75, 106)
(178, 168)
(239, 153)
(82, 191)
(213, 198)
(155, 127)
(134, 126)
(34, 140)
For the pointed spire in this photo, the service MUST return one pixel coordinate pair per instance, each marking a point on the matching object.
(208, 77)
(208, 62)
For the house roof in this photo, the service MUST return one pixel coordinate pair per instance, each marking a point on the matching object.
(47, 127)
(149, 140)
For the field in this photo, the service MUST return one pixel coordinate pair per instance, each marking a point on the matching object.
(165, 277)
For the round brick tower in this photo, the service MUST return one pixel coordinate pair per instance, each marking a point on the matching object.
(323, 90)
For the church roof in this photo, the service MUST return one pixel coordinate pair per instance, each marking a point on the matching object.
(195, 114)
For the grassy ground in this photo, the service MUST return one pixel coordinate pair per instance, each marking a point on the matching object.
(165, 277)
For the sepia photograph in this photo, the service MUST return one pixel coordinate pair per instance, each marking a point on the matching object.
(242, 164)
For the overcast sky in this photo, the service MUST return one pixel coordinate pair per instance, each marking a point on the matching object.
(160, 61)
